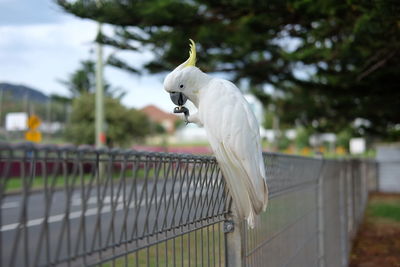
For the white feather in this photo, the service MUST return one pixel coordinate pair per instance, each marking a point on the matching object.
(233, 133)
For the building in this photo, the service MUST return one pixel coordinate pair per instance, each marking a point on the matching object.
(388, 157)
(167, 120)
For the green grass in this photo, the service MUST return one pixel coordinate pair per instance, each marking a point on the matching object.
(385, 210)
(188, 144)
(198, 248)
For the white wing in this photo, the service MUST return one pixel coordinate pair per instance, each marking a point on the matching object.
(233, 133)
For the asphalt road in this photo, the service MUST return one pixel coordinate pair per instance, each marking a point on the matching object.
(98, 219)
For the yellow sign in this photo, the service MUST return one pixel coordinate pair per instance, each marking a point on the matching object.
(306, 151)
(340, 150)
(33, 136)
(33, 122)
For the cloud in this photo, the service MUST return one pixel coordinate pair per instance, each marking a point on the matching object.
(143, 91)
(22, 12)
(39, 54)
(40, 45)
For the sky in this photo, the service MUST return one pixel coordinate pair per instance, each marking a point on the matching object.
(41, 45)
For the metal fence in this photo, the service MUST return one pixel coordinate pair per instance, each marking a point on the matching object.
(315, 208)
(83, 207)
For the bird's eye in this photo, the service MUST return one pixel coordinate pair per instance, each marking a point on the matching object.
(181, 86)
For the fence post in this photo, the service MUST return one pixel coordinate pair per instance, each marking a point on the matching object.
(343, 213)
(349, 202)
(365, 191)
(377, 176)
(320, 217)
(234, 248)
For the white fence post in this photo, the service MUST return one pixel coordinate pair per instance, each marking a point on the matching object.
(234, 243)
(343, 213)
(320, 218)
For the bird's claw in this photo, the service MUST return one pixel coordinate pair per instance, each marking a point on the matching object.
(184, 110)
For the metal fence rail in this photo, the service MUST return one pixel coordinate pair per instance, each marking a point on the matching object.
(82, 207)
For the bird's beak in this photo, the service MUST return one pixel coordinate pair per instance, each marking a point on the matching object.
(178, 98)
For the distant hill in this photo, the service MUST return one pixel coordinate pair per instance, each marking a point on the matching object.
(19, 92)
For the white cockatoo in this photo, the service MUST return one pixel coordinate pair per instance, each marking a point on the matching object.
(232, 131)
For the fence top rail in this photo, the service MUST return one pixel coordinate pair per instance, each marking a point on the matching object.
(88, 149)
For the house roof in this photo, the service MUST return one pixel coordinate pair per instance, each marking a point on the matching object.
(157, 115)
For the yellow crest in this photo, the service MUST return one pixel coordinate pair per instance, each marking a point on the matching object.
(192, 55)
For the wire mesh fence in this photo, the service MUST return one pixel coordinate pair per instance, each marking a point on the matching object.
(287, 234)
(315, 208)
(86, 207)
(69, 206)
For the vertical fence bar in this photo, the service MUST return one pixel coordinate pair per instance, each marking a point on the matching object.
(320, 218)
(233, 227)
(349, 202)
(353, 197)
(343, 214)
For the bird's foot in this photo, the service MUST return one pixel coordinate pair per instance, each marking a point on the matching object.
(184, 110)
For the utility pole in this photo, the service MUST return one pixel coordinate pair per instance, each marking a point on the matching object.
(48, 117)
(26, 104)
(99, 116)
(1, 104)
